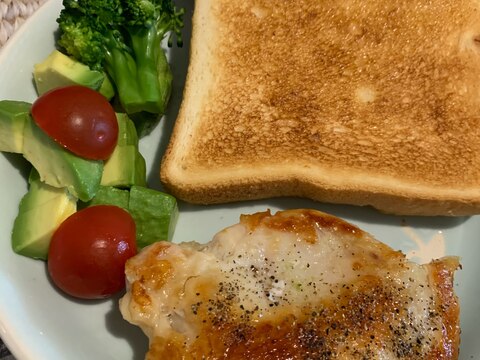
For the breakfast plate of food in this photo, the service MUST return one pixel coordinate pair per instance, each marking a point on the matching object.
(319, 199)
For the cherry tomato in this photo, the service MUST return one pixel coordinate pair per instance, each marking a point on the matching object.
(78, 118)
(88, 251)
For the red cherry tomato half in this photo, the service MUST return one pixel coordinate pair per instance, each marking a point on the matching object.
(88, 251)
(78, 118)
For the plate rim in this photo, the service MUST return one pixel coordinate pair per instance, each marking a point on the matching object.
(9, 337)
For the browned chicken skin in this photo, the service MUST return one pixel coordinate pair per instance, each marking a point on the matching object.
(299, 284)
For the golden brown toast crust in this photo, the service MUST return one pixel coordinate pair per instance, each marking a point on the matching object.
(338, 101)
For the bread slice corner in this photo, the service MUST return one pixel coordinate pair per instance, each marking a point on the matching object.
(346, 102)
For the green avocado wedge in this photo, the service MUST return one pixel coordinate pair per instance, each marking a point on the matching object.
(13, 115)
(42, 209)
(109, 195)
(59, 167)
(155, 214)
(58, 69)
(126, 166)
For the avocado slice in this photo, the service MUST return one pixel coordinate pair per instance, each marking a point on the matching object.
(126, 166)
(109, 195)
(41, 211)
(127, 133)
(59, 167)
(59, 70)
(107, 89)
(12, 122)
(155, 214)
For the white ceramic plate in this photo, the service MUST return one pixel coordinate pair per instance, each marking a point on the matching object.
(37, 322)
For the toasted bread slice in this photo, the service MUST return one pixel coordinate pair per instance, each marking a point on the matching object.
(367, 103)
(299, 284)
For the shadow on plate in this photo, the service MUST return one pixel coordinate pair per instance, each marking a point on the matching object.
(362, 214)
(114, 322)
(19, 163)
(120, 328)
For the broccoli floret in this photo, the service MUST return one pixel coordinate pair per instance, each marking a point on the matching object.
(123, 37)
(140, 12)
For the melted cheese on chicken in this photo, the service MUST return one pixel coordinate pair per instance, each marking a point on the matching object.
(299, 284)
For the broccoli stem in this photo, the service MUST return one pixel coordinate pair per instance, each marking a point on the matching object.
(121, 67)
(153, 73)
(165, 79)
